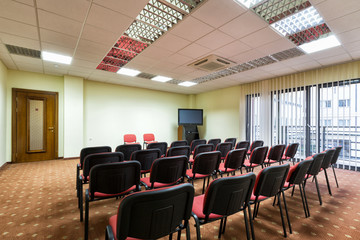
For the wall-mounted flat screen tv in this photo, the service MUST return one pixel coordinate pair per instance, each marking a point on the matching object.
(190, 116)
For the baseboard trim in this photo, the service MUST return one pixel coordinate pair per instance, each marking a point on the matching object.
(70, 158)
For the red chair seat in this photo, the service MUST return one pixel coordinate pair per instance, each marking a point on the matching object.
(288, 185)
(253, 197)
(247, 163)
(132, 143)
(99, 194)
(87, 178)
(191, 159)
(285, 157)
(112, 223)
(146, 180)
(198, 205)
(291, 170)
(269, 161)
(223, 169)
(198, 175)
(147, 142)
(145, 171)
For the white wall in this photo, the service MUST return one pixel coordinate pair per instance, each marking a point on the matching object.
(35, 81)
(3, 77)
(73, 116)
(110, 111)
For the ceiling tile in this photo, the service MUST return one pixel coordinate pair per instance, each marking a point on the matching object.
(191, 29)
(99, 35)
(243, 25)
(59, 24)
(349, 36)
(20, 41)
(67, 8)
(334, 59)
(156, 52)
(31, 67)
(129, 8)
(247, 56)
(215, 40)
(306, 66)
(183, 70)
(98, 49)
(178, 59)
(75, 73)
(7, 60)
(171, 42)
(194, 51)
(328, 53)
(218, 12)
(276, 46)
(18, 12)
(345, 23)
(87, 56)
(141, 62)
(261, 37)
(232, 49)
(18, 59)
(18, 29)
(27, 2)
(353, 46)
(59, 39)
(108, 19)
(83, 64)
(355, 55)
(57, 49)
(332, 9)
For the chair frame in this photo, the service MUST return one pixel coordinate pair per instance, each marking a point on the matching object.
(171, 150)
(179, 143)
(314, 170)
(95, 171)
(160, 201)
(220, 199)
(240, 145)
(148, 138)
(275, 154)
(232, 141)
(132, 136)
(196, 142)
(232, 162)
(290, 152)
(259, 152)
(224, 148)
(124, 148)
(214, 141)
(333, 162)
(145, 162)
(159, 145)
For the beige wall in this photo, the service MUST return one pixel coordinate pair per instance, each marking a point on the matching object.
(110, 111)
(3, 77)
(35, 81)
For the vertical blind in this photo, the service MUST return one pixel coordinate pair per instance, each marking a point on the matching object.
(311, 109)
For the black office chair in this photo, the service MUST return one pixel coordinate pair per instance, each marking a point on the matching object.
(334, 160)
(128, 149)
(153, 214)
(179, 143)
(178, 151)
(232, 141)
(159, 145)
(314, 170)
(214, 141)
(146, 158)
(243, 144)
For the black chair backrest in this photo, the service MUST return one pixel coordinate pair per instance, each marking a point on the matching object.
(235, 158)
(226, 196)
(207, 162)
(258, 155)
(315, 166)
(214, 141)
(329, 154)
(114, 178)
(100, 158)
(178, 151)
(128, 149)
(154, 214)
(91, 150)
(336, 155)
(224, 148)
(297, 175)
(291, 150)
(243, 144)
(179, 143)
(255, 144)
(276, 152)
(168, 169)
(201, 148)
(270, 180)
(232, 141)
(196, 142)
(146, 157)
(160, 145)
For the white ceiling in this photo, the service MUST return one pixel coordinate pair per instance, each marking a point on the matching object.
(87, 29)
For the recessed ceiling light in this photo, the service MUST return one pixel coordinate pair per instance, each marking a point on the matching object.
(161, 79)
(298, 22)
(187, 84)
(53, 57)
(128, 72)
(248, 3)
(321, 44)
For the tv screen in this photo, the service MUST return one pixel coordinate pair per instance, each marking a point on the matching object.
(190, 116)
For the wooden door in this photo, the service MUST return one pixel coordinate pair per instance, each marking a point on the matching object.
(34, 125)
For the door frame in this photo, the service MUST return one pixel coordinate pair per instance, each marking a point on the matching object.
(14, 119)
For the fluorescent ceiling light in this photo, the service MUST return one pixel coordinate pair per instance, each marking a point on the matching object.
(248, 3)
(298, 22)
(187, 84)
(161, 79)
(53, 57)
(128, 72)
(321, 44)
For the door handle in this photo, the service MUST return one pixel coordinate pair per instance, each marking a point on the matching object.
(51, 129)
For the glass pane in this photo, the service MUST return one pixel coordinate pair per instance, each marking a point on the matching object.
(36, 125)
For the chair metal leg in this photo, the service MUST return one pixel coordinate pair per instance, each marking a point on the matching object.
(86, 227)
(220, 228)
(281, 214)
(170, 236)
(318, 190)
(81, 201)
(303, 201)
(246, 224)
(197, 225)
(307, 205)
(203, 186)
(187, 231)
(274, 200)
(293, 190)
(286, 211)
(327, 182)
(337, 184)
(224, 225)
(251, 223)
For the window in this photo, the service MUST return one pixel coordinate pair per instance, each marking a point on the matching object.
(327, 122)
(344, 103)
(328, 104)
(344, 122)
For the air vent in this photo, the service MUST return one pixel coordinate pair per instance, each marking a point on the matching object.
(23, 51)
(212, 63)
(146, 75)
